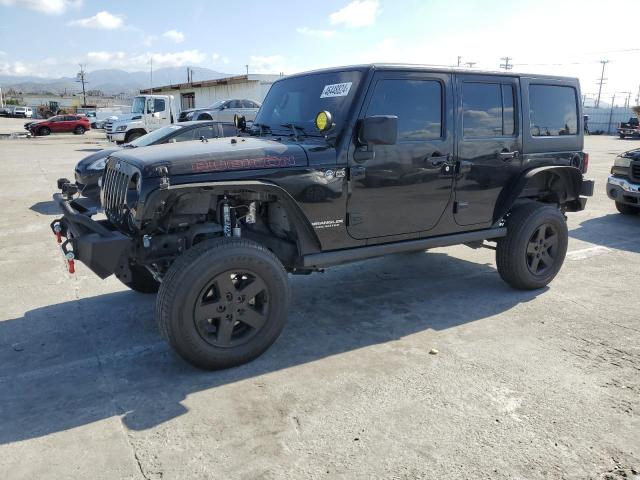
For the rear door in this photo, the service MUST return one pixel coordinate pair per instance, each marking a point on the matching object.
(489, 144)
(404, 188)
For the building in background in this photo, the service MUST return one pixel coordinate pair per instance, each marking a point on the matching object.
(203, 93)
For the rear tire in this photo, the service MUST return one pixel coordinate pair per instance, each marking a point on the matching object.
(79, 130)
(223, 303)
(625, 209)
(142, 281)
(532, 253)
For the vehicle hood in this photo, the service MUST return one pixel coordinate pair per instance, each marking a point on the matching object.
(216, 155)
(88, 160)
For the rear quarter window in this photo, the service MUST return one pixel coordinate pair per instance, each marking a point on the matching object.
(553, 110)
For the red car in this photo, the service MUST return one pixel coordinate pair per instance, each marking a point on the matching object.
(77, 124)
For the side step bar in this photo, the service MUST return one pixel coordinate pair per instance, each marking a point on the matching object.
(336, 257)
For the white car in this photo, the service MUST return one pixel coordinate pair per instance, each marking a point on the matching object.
(24, 112)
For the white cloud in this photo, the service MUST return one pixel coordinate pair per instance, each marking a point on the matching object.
(101, 20)
(174, 36)
(3, 53)
(149, 40)
(226, 60)
(50, 7)
(358, 13)
(127, 61)
(316, 33)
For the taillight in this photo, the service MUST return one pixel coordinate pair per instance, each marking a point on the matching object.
(585, 163)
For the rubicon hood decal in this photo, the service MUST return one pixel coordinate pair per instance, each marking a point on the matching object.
(272, 161)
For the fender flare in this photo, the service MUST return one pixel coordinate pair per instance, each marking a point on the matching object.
(307, 239)
(569, 177)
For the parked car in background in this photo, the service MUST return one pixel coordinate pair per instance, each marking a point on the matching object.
(89, 169)
(223, 111)
(630, 128)
(22, 112)
(77, 124)
(623, 186)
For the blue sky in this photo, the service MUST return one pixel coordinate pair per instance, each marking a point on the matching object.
(564, 37)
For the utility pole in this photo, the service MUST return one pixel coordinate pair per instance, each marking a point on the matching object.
(470, 64)
(506, 65)
(1, 99)
(247, 67)
(638, 96)
(628, 99)
(613, 102)
(602, 81)
(81, 78)
(459, 60)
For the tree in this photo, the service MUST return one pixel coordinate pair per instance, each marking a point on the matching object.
(636, 110)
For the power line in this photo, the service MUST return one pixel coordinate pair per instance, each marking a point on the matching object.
(602, 81)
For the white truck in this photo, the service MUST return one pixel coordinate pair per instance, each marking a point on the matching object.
(148, 113)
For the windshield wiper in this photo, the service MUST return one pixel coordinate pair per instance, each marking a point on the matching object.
(294, 128)
(263, 128)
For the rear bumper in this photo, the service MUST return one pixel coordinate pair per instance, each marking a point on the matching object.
(94, 243)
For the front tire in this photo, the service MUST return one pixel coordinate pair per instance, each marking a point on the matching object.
(625, 209)
(44, 131)
(223, 303)
(532, 253)
(142, 281)
(130, 137)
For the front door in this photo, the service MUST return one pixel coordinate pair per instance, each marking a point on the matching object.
(404, 188)
(489, 144)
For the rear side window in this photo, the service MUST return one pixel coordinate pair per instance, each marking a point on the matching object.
(416, 103)
(158, 105)
(553, 110)
(487, 110)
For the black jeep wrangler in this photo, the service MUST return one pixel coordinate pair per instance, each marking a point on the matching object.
(340, 165)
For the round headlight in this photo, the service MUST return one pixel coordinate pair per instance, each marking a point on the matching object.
(98, 164)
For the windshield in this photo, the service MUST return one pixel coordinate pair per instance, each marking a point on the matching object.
(298, 100)
(138, 105)
(154, 136)
(217, 104)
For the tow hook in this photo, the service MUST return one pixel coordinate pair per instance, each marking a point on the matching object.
(57, 230)
(70, 262)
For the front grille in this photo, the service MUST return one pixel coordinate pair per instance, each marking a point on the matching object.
(115, 186)
(109, 126)
(635, 170)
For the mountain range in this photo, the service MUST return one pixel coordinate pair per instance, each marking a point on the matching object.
(108, 81)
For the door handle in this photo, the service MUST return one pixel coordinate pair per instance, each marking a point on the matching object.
(506, 155)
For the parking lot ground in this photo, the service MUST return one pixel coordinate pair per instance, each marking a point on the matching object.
(526, 385)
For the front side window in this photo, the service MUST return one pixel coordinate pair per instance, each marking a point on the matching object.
(487, 110)
(184, 136)
(208, 131)
(553, 110)
(416, 103)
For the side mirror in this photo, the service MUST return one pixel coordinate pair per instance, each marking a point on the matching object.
(240, 122)
(378, 130)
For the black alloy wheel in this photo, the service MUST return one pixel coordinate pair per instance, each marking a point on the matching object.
(231, 308)
(542, 249)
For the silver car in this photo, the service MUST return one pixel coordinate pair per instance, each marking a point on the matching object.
(222, 111)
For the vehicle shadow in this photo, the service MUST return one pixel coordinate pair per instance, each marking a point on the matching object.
(46, 208)
(79, 362)
(614, 230)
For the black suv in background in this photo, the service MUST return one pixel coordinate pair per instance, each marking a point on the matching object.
(340, 165)
(623, 186)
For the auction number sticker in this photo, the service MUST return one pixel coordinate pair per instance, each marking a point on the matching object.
(336, 90)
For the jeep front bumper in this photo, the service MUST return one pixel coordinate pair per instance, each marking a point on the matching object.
(623, 191)
(94, 243)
